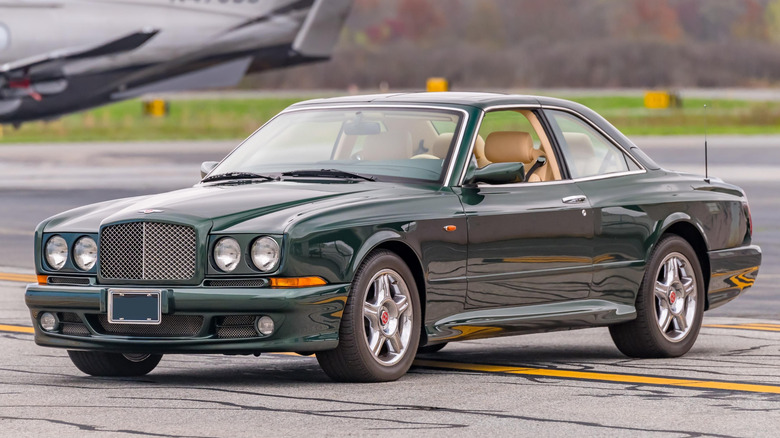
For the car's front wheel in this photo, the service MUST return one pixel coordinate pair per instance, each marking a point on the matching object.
(669, 306)
(97, 363)
(380, 327)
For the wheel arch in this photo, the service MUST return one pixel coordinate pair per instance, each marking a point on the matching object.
(696, 238)
(390, 242)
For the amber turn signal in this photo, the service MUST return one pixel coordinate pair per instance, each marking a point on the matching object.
(450, 228)
(43, 279)
(297, 282)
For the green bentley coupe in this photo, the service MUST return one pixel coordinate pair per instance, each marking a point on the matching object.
(369, 229)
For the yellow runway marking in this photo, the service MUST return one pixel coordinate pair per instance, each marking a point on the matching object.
(16, 328)
(555, 373)
(22, 278)
(604, 377)
(749, 326)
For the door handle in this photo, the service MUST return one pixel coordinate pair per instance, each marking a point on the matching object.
(578, 199)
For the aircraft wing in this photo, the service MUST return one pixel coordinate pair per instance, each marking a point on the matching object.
(42, 74)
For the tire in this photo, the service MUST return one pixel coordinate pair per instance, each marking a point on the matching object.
(114, 364)
(379, 331)
(669, 305)
(430, 349)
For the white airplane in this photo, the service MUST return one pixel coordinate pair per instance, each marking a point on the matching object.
(60, 56)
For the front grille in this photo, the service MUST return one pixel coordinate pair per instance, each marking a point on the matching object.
(147, 251)
(72, 325)
(171, 326)
(236, 326)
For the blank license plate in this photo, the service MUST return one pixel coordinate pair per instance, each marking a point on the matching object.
(134, 306)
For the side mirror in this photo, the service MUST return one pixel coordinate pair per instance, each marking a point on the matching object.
(206, 167)
(499, 173)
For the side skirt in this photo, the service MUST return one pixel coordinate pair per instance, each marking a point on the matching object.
(505, 321)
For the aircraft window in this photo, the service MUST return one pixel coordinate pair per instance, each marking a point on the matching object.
(5, 37)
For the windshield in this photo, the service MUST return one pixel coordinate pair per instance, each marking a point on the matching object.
(383, 143)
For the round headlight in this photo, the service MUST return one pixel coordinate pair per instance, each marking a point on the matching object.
(85, 253)
(227, 254)
(265, 254)
(56, 252)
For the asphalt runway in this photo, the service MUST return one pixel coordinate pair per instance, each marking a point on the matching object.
(545, 384)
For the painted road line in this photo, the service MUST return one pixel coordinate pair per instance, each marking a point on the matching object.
(554, 373)
(603, 377)
(747, 326)
(16, 328)
(22, 278)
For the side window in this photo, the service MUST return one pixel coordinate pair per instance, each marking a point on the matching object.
(516, 135)
(586, 151)
(5, 37)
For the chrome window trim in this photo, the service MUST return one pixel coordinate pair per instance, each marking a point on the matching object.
(458, 141)
(561, 181)
(597, 128)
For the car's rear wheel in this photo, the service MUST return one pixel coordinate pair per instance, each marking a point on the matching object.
(670, 304)
(97, 363)
(380, 327)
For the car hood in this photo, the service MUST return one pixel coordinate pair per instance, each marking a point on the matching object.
(223, 205)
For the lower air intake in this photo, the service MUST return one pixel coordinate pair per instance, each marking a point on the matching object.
(171, 326)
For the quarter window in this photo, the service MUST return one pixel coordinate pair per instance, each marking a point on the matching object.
(586, 151)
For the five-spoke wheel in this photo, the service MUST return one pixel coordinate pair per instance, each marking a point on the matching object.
(388, 317)
(380, 327)
(669, 306)
(675, 297)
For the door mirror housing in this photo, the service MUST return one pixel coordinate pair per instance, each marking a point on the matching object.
(498, 173)
(206, 167)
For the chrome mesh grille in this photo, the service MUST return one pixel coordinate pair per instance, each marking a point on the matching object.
(147, 251)
(236, 326)
(72, 325)
(236, 283)
(80, 281)
(171, 326)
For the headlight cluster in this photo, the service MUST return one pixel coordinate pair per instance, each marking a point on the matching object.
(264, 254)
(84, 254)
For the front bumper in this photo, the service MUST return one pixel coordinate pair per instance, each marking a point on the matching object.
(305, 319)
(732, 271)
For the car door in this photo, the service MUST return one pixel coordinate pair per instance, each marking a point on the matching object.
(612, 181)
(528, 242)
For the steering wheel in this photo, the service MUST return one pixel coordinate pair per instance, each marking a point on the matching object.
(426, 156)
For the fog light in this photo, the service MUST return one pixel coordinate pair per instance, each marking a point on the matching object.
(264, 325)
(49, 322)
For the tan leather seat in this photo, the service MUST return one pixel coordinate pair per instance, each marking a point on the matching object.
(515, 147)
(582, 154)
(479, 152)
(441, 146)
(391, 145)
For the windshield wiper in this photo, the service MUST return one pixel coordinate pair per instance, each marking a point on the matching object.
(238, 175)
(328, 173)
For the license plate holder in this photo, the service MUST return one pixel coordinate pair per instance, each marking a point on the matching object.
(134, 306)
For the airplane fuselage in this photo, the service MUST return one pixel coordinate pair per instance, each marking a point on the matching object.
(62, 56)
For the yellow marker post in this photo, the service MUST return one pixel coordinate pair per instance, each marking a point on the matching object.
(662, 99)
(155, 108)
(437, 84)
